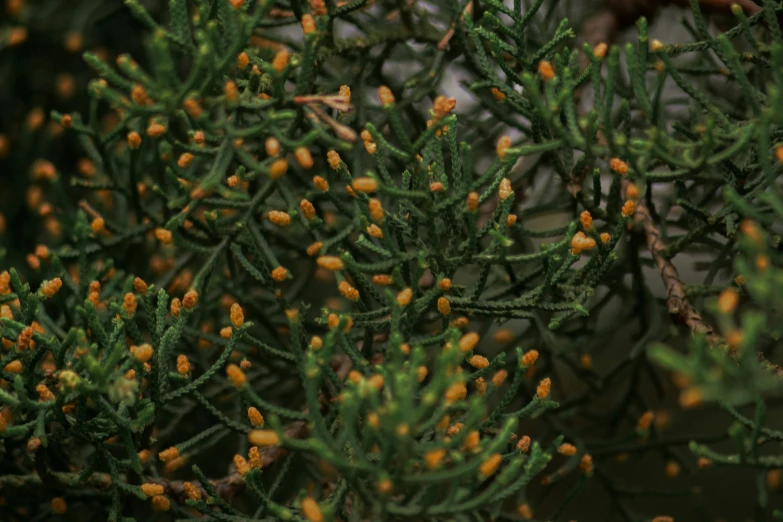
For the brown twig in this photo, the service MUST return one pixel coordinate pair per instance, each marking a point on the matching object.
(444, 42)
(228, 486)
(676, 300)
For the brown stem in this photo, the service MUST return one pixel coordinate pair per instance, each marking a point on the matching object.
(444, 42)
(676, 300)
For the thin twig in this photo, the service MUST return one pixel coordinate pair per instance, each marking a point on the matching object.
(676, 300)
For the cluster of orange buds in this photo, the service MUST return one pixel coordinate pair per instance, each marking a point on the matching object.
(303, 157)
(175, 307)
(318, 7)
(279, 274)
(376, 210)
(236, 315)
(433, 458)
(345, 92)
(280, 61)
(468, 341)
(472, 441)
(479, 362)
(43, 170)
(481, 386)
(254, 458)
(311, 510)
(404, 296)
(98, 225)
(490, 466)
(163, 235)
(278, 168)
(183, 365)
(156, 129)
(14, 366)
(44, 393)
(256, 419)
(505, 190)
(581, 243)
(334, 321)
(192, 107)
(51, 287)
(442, 107)
(139, 95)
(546, 70)
(728, 300)
(25, 338)
(263, 438)
(504, 143)
(529, 358)
(281, 219)
(168, 454)
(152, 490)
(231, 91)
(632, 192)
(160, 503)
(142, 353)
(243, 468)
(645, 421)
(586, 220)
(316, 343)
(134, 140)
(236, 375)
(619, 166)
(129, 303)
(629, 207)
(314, 249)
(191, 491)
(385, 94)
(374, 231)
(455, 392)
(5, 283)
(308, 24)
(364, 184)
(369, 145)
(332, 263)
(569, 450)
(348, 291)
(308, 210)
(243, 60)
(333, 158)
(544, 387)
(59, 506)
(586, 464)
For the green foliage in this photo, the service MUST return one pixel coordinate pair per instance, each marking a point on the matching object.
(416, 273)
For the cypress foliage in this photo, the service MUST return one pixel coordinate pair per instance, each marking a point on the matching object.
(355, 260)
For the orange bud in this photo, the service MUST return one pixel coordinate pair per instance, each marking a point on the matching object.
(546, 70)
(542, 391)
(263, 438)
(332, 263)
(304, 157)
(365, 184)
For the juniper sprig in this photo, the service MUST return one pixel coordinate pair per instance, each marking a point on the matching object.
(355, 260)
